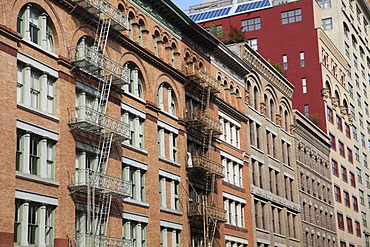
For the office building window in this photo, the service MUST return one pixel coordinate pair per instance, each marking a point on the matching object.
(134, 171)
(344, 174)
(347, 201)
(341, 149)
(359, 176)
(340, 221)
(34, 25)
(349, 224)
(291, 16)
(327, 24)
(306, 111)
(352, 179)
(230, 127)
(253, 43)
(347, 130)
(355, 203)
(304, 85)
(330, 115)
(35, 88)
(234, 209)
(339, 123)
(170, 236)
(301, 59)
(332, 141)
(35, 152)
(135, 230)
(358, 228)
(135, 119)
(167, 141)
(33, 222)
(251, 24)
(233, 168)
(335, 169)
(337, 194)
(324, 4)
(349, 155)
(361, 195)
(169, 190)
(285, 62)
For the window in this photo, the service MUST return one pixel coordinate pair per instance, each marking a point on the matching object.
(304, 85)
(334, 165)
(234, 209)
(358, 228)
(347, 130)
(355, 203)
(170, 237)
(364, 220)
(260, 214)
(230, 129)
(347, 201)
(349, 155)
(35, 88)
(38, 218)
(364, 158)
(354, 132)
(366, 106)
(306, 111)
(291, 16)
(251, 24)
(135, 119)
(341, 149)
(344, 174)
(169, 190)
(337, 194)
(301, 59)
(327, 24)
(340, 221)
(361, 195)
(134, 171)
(330, 115)
(339, 123)
(332, 141)
(34, 25)
(359, 100)
(285, 62)
(167, 141)
(349, 225)
(166, 99)
(362, 137)
(233, 169)
(35, 152)
(352, 179)
(346, 49)
(356, 150)
(253, 43)
(135, 86)
(134, 228)
(359, 177)
(324, 4)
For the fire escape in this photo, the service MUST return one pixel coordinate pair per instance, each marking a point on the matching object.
(203, 211)
(93, 186)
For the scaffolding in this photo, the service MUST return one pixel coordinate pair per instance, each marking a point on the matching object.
(202, 211)
(96, 188)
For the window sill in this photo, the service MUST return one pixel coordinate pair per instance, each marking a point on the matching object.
(289, 167)
(136, 149)
(169, 114)
(134, 202)
(279, 235)
(35, 178)
(134, 96)
(257, 149)
(171, 162)
(171, 211)
(262, 230)
(40, 48)
(38, 112)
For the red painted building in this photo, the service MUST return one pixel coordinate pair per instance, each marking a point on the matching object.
(295, 40)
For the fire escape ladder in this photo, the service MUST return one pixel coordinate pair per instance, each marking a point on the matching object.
(101, 36)
(104, 211)
(104, 93)
(106, 144)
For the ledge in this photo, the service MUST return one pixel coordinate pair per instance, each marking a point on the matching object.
(171, 211)
(134, 202)
(133, 148)
(171, 162)
(38, 179)
(38, 112)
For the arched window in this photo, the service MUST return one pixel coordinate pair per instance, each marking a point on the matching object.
(131, 17)
(141, 28)
(166, 99)
(155, 41)
(173, 51)
(255, 98)
(136, 80)
(35, 25)
(272, 110)
(345, 29)
(286, 120)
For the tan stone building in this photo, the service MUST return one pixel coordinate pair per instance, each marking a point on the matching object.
(314, 183)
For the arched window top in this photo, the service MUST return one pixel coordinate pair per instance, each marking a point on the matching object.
(142, 23)
(345, 28)
(327, 86)
(156, 34)
(336, 95)
(201, 66)
(35, 25)
(135, 86)
(166, 98)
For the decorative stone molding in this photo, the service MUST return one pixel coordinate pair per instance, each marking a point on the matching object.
(263, 108)
(274, 198)
(334, 102)
(350, 119)
(343, 110)
(292, 129)
(325, 93)
(278, 119)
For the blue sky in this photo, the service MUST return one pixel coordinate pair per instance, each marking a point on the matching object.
(184, 4)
